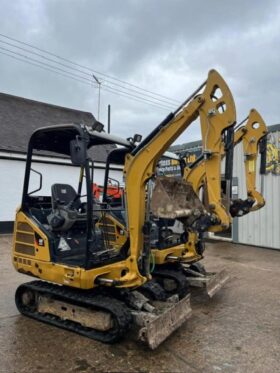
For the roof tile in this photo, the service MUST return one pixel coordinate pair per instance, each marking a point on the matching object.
(20, 117)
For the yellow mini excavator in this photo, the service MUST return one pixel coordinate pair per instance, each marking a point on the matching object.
(85, 283)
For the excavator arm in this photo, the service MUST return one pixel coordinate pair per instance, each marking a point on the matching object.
(254, 138)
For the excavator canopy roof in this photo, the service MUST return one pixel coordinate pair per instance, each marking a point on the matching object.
(57, 138)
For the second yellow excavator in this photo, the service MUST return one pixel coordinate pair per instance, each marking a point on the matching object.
(166, 253)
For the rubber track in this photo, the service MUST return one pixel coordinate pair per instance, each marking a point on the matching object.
(180, 279)
(122, 318)
(153, 290)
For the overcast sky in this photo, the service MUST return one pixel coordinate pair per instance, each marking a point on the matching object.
(164, 46)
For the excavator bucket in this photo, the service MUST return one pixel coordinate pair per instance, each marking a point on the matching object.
(175, 198)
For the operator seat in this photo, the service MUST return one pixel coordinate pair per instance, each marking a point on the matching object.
(63, 195)
(66, 208)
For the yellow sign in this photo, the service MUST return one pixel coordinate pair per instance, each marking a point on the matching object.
(273, 155)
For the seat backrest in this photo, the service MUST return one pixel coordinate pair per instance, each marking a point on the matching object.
(63, 194)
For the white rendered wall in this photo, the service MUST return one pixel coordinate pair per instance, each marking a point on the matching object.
(262, 227)
(12, 175)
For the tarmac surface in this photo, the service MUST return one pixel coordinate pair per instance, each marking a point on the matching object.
(236, 331)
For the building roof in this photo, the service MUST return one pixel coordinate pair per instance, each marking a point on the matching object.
(274, 128)
(189, 145)
(20, 117)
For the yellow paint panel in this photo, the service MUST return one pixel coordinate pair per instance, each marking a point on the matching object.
(38, 264)
(251, 165)
(25, 243)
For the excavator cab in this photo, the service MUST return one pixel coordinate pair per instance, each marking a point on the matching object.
(64, 212)
(56, 222)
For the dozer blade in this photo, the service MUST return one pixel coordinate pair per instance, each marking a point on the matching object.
(209, 283)
(216, 282)
(153, 329)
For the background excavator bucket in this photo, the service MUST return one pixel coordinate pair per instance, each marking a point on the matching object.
(175, 198)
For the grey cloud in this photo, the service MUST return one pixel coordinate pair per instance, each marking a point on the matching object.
(164, 46)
